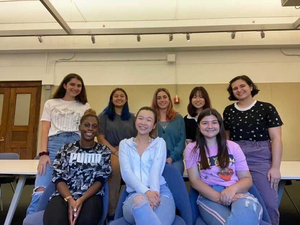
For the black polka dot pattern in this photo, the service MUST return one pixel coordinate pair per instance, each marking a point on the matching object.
(251, 124)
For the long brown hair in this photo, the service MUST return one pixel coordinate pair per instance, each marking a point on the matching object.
(61, 91)
(171, 113)
(110, 108)
(201, 144)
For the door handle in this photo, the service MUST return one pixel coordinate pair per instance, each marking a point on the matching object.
(2, 139)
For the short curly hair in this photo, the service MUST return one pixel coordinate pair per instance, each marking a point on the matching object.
(89, 113)
(245, 78)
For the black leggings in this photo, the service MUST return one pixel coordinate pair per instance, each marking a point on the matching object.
(56, 212)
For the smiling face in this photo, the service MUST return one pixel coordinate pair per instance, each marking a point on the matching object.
(73, 88)
(198, 101)
(162, 100)
(209, 126)
(241, 90)
(119, 99)
(89, 129)
(145, 122)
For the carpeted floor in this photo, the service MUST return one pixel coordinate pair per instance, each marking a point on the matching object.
(289, 215)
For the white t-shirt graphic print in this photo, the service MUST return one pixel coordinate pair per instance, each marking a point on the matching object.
(64, 115)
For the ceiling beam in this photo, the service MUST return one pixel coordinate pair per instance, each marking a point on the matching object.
(32, 33)
(18, 0)
(56, 15)
(149, 30)
(184, 29)
(296, 24)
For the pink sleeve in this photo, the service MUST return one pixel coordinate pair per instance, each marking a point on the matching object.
(240, 159)
(191, 157)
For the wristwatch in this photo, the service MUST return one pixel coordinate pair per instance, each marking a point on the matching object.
(67, 198)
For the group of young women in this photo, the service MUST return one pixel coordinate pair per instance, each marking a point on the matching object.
(222, 156)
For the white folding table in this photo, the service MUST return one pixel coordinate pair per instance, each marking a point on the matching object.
(290, 170)
(22, 168)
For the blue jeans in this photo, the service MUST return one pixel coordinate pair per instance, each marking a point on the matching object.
(140, 213)
(245, 210)
(179, 165)
(54, 144)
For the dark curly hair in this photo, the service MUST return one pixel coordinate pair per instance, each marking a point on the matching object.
(89, 113)
(245, 78)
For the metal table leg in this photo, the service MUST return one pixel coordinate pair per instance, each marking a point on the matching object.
(15, 200)
(295, 206)
(280, 190)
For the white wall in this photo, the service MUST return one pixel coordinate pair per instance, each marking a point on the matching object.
(137, 68)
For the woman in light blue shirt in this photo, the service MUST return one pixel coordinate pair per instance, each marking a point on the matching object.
(142, 161)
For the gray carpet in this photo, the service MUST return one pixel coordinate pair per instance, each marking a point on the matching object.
(289, 215)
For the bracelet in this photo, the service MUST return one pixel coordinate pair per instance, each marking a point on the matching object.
(43, 153)
(67, 198)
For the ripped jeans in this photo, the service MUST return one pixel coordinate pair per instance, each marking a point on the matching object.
(245, 210)
(139, 211)
(55, 142)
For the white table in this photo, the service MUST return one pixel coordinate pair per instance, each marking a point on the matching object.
(290, 170)
(23, 168)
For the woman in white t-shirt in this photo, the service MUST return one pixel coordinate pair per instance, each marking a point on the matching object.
(60, 122)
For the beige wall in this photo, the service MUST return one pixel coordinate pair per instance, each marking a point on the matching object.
(284, 96)
(276, 73)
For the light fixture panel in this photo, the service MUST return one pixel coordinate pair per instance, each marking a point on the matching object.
(170, 37)
(188, 37)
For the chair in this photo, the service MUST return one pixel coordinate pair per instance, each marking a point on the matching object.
(197, 220)
(4, 179)
(177, 187)
(37, 217)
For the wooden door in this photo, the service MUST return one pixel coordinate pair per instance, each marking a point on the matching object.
(21, 119)
(4, 105)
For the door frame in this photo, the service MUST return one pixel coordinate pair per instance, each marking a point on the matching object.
(23, 84)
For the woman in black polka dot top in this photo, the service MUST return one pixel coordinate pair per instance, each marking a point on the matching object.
(256, 127)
